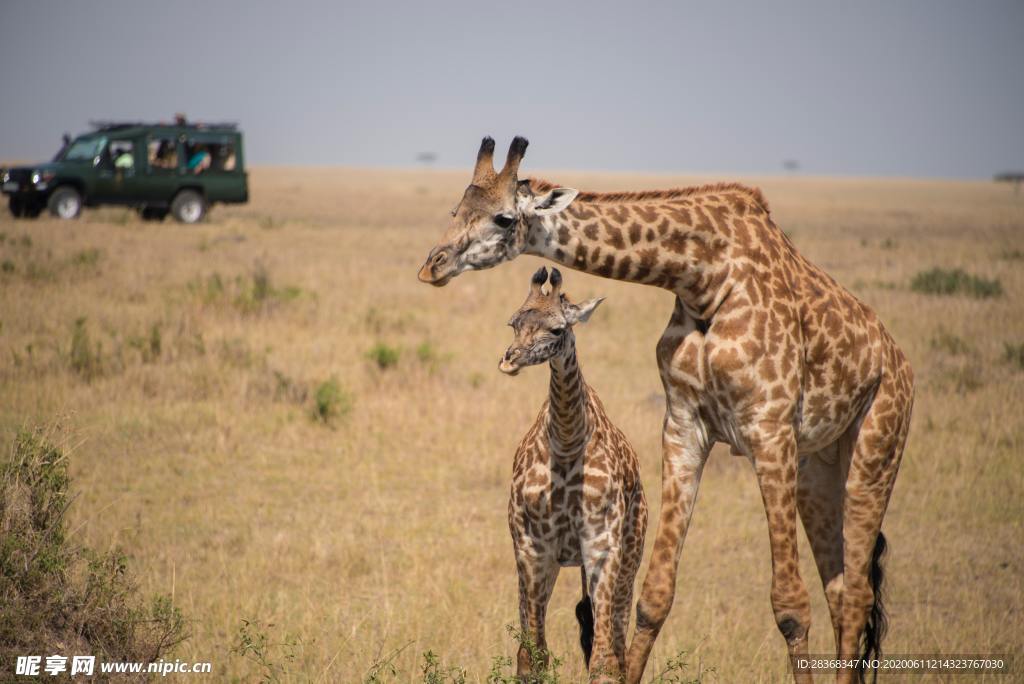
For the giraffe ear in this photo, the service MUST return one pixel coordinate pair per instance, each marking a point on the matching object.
(554, 201)
(580, 313)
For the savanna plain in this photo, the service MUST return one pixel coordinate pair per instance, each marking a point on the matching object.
(309, 451)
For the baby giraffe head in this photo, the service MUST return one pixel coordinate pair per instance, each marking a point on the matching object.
(543, 324)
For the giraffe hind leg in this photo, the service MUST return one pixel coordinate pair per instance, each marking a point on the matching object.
(819, 501)
(873, 467)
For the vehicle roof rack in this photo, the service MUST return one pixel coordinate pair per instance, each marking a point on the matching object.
(195, 125)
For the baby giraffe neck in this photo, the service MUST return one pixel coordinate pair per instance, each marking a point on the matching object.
(568, 427)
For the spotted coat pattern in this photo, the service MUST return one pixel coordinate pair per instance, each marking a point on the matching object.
(576, 497)
(763, 351)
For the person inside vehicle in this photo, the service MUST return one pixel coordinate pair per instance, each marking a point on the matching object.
(200, 160)
(123, 158)
(164, 156)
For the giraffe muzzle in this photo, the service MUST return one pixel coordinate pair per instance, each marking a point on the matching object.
(508, 364)
(438, 269)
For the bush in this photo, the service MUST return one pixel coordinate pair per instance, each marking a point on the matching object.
(273, 660)
(86, 258)
(253, 294)
(85, 359)
(330, 401)
(384, 356)
(149, 346)
(430, 357)
(940, 281)
(436, 673)
(1014, 354)
(59, 598)
(943, 340)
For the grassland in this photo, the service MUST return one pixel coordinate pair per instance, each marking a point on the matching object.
(310, 450)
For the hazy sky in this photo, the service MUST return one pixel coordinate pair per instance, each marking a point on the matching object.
(930, 88)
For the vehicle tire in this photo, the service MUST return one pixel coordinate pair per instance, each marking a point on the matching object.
(153, 214)
(65, 202)
(188, 206)
(33, 210)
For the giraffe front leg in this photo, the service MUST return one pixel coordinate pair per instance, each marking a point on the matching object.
(685, 453)
(775, 462)
(537, 574)
(633, 532)
(602, 563)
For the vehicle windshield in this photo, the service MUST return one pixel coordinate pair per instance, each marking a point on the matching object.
(85, 148)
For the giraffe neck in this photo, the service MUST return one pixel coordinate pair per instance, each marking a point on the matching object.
(676, 244)
(568, 427)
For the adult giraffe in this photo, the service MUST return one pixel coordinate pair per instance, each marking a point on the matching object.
(763, 351)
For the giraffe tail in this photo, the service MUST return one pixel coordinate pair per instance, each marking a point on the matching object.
(585, 616)
(878, 621)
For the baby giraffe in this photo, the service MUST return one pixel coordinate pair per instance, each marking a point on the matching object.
(576, 493)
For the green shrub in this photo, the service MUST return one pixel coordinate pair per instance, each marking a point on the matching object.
(965, 379)
(250, 295)
(273, 660)
(55, 593)
(939, 281)
(384, 669)
(943, 340)
(86, 258)
(268, 222)
(289, 390)
(435, 673)
(330, 401)
(1014, 354)
(150, 346)
(86, 360)
(384, 356)
(426, 353)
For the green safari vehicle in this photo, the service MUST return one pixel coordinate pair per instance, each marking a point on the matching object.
(180, 168)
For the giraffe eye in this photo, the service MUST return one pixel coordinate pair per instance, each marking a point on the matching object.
(558, 332)
(504, 220)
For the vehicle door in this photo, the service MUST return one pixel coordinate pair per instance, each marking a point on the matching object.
(163, 169)
(117, 174)
(220, 176)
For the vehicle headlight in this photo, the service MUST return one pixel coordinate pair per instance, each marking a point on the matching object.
(42, 177)
(5, 177)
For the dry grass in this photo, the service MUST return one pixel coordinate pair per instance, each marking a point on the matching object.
(347, 523)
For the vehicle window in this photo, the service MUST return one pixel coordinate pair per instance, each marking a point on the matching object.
(122, 154)
(213, 157)
(85, 148)
(162, 153)
(224, 158)
(197, 156)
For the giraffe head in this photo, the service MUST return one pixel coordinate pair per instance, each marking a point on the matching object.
(490, 223)
(543, 324)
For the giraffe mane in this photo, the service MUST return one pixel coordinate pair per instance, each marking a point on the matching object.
(754, 193)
